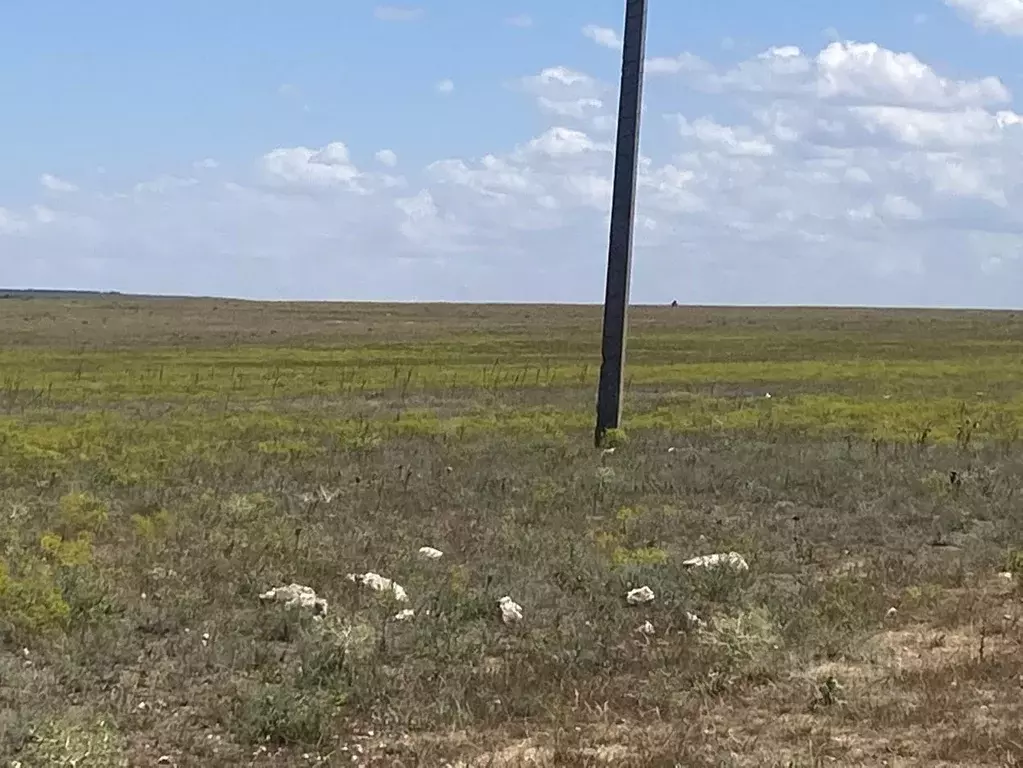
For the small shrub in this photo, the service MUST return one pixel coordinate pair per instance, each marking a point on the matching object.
(922, 597)
(281, 714)
(67, 553)
(547, 492)
(614, 438)
(719, 585)
(745, 636)
(31, 604)
(622, 557)
(744, 645)
(1014, 562)
(152, 528)
(81, 585)
(81, 512)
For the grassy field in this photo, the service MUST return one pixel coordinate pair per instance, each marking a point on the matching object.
(165, 462)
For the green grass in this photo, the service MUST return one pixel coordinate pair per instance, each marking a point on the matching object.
(163, 463)
(674, 360)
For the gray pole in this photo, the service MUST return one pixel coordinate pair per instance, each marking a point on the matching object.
(623, 204)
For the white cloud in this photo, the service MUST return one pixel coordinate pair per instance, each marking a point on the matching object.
(672, 65)
(398, 13)
(656, 65)
(426, 226)
(580, 109)
(55, 184)
(330, 166)
(567, 93)
(445, 86)
(387, 157)
(844, 71)
(853, 174)
(604, 36)
(731, 141)
(868, 72)
(1003, 15)
(938, 130)
(562, 142)
(900, 207)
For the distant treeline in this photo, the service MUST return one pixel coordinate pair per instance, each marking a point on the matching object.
(53, 293)
(47, 293)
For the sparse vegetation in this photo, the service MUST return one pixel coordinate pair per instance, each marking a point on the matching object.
(165, 463)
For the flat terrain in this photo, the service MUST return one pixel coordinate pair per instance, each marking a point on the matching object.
(163, 463)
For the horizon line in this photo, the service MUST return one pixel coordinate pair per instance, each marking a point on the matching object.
(40, 293)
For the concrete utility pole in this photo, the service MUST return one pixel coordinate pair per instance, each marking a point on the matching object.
(623, 204)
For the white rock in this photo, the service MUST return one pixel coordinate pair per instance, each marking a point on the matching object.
(1007, 575)
(672, 449)
(730, 559)
(430, 553)
(407, 615)
(640, 595)
(646, 629)
(694, 622)
(380, 584)
(296, 595)
(768, 395)
(608, 452)
(511, 611)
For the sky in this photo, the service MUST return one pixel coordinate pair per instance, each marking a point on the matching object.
(792, 152)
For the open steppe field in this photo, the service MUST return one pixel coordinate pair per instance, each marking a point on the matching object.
(165, 463)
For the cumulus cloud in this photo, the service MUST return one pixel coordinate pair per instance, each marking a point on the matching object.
(853, 174)
(55, 184)
(731, 141)
(604, 36)
(1002, 15)
(843, 72)
(566, 93)
(387, 157)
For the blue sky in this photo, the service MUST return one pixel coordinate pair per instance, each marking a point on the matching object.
(795, 152)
